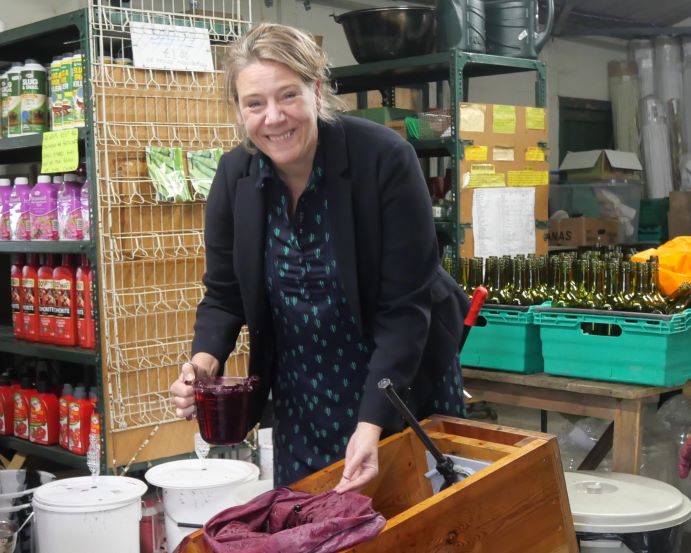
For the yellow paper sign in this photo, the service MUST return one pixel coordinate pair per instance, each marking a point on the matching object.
(484, 180)
(60, 151)
(476, 153)
(502, 153)
(534, 154)
(504, 119)
(535, 118)
(482, 169)
(528, 178)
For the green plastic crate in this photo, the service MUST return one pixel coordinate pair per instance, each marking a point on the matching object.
(506, 339)
(381, 115)
(652, 350)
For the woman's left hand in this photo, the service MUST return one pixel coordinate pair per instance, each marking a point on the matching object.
(362, 458)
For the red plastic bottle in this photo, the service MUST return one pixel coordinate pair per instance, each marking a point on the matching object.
(29, 298)
(86, 329)
(46, 299)
(65, 312)
(43, 416)
(7, 390)
(16, 294)
(63, 416)
(79, 421)
(21, 409)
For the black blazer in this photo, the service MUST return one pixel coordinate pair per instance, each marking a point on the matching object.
(385, 244)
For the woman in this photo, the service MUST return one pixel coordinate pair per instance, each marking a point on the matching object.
(319, 236)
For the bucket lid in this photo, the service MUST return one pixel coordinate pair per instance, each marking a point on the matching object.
(80, 494)
(623, 503)
(201, 473)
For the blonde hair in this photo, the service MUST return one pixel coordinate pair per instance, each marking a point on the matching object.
(292, 47)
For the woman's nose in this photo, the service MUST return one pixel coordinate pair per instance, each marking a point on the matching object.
(274, 113)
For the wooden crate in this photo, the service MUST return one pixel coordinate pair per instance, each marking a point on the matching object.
(517, 504)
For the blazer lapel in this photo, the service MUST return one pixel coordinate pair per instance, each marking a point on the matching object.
(250, 228)
(339, 194)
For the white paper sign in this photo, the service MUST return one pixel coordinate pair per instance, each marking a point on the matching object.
(156, 46)
(503, 221)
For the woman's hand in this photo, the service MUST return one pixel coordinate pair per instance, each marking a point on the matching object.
(685, 459)
(362, 458)
(181, 389)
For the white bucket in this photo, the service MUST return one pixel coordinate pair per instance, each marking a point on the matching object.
(194, 490)
(74, 516)
(611, 508)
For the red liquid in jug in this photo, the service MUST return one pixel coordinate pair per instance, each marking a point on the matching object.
(223, 408)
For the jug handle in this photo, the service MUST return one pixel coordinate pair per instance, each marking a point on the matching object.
(542, 36)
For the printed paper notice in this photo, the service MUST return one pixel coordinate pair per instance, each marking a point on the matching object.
(503, 221)
(60, 151)
(178, 48)
(472, 117)
(535, 118)
(502, 153)
(504, 119)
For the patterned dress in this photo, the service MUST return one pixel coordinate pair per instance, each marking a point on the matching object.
(322, 357)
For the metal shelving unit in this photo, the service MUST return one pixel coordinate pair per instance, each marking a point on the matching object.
(455, 67)
(42, 41)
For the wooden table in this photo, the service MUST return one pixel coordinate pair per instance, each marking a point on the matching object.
(621, 403)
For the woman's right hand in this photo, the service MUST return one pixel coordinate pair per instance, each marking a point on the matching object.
(181, 389)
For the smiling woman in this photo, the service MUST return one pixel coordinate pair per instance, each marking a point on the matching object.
(319, 236)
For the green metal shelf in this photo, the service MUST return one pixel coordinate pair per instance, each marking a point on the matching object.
(10, 344)
(446, 227)
(29, 141)
(47, 38)
(52, 452)
(428, 68)
(45, 246)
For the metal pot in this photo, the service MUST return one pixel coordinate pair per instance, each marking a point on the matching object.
(388, 33)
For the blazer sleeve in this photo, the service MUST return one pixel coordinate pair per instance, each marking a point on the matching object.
(408, 267)
(220, 314)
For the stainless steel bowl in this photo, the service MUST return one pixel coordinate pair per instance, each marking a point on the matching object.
(388, 33)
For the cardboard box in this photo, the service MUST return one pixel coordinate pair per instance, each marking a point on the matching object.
(503, 145)
(399, 127)
(679, 216)
(583, 231)
(601, 165)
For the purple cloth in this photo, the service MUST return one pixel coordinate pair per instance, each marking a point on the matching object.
(283, 520)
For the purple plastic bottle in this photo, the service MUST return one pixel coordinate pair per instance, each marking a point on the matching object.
(70, 225)
(43, 202)
(5, 193)
(20, 217)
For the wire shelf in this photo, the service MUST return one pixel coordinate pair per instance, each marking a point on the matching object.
(152, 251)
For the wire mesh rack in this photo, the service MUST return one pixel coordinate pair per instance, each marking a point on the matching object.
(152, 251)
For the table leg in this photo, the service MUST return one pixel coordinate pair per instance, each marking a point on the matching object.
(627, 436)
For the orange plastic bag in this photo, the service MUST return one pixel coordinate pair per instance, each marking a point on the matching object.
(675, 262)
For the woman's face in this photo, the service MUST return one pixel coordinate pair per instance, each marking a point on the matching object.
(279, 112)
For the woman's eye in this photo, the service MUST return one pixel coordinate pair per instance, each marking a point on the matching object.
(290, 95)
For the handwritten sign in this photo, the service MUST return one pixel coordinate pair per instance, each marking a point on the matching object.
(178, 48)
(60, 151)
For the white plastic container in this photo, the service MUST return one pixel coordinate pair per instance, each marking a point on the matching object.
(613, 510)
(194, 490)
(73, 516)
